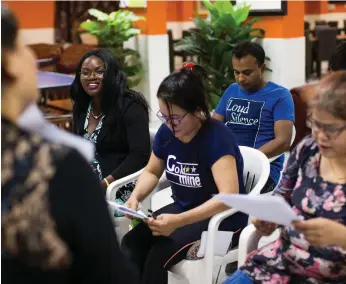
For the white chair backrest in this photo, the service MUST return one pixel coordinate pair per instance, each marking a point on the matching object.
(293, 134)
(115, 185)
(152, 132)
(256, 169)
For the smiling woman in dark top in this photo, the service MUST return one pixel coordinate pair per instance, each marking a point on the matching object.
(110, 115)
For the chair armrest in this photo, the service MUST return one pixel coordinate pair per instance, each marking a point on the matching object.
(115, 185)
(248, 242)
(272, 159)
(213, 227)
(163, 183)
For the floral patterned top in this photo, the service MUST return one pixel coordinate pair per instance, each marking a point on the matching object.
(95, 165)
(291, 259)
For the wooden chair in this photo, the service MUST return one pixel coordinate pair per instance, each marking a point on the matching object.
(172, 52)
(71, 57)
(326, 44)
(320, 23)
(64, 121)
(50, 52)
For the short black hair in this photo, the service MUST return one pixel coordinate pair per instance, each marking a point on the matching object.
(9, 33)
(9, 28)
(186, 89)
(247, 47)
(337, 61)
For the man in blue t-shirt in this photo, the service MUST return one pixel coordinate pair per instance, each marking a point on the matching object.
(260, 113)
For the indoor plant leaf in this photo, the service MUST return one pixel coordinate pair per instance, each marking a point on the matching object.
(99, 15)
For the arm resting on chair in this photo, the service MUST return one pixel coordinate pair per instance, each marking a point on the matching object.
(248, 242)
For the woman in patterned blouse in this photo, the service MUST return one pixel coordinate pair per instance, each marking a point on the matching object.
(314, 183)
(112, 117)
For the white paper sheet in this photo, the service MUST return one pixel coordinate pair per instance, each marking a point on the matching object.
(138, 214)
(267, 208)
(33, 120)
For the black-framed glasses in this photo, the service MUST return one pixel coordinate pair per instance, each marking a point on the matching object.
(86, 74)
(173, 119)
(332, 131)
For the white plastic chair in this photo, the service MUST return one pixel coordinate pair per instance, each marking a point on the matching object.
(250, 239)
(256, 173)
(122, 223)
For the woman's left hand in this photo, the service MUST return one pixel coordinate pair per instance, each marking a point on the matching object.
(322, 232)
(164, 225)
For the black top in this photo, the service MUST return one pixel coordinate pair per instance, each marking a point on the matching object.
(123, 151)
(56, 227)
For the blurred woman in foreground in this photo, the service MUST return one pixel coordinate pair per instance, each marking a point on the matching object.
(49, 232)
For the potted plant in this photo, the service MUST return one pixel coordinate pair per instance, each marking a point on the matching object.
(212, 42)
(112, 30)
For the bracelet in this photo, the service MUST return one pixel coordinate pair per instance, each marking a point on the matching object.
(106, 181)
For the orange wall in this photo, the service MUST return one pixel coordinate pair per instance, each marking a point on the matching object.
(275, 26)
(316, 7)
(33, 14)
(289, 26)
(338, 8)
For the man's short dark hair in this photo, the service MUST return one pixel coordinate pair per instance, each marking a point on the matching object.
(245, 48)
(337, 61)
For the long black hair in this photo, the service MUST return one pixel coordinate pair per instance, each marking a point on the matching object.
(113, 91)
(185, 88)
(9, 33)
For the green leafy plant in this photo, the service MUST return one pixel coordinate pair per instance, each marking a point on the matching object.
(213, 39)
(112, 30)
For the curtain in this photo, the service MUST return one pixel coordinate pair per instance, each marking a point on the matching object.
(69, 14)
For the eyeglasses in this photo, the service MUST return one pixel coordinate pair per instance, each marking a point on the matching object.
(332, 131)
(173, 119)
(86, 74)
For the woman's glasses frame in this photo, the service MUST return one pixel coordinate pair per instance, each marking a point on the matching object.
(331, 131)
(99, 73)
(173, 120)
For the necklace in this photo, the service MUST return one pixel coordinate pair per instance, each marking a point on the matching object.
(96, 117)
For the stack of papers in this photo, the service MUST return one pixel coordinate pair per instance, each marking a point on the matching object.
(266, 208)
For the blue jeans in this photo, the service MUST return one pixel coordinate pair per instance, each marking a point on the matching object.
(238, 277)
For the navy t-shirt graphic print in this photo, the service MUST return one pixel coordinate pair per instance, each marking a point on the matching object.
(185, 174)
(188, 165)
(247, 115)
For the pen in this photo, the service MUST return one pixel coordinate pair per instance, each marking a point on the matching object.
(152, 214)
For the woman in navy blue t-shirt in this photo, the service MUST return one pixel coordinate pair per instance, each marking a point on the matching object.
(201, 158)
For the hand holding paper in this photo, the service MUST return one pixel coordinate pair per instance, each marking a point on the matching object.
(267, 208)
(127, 211)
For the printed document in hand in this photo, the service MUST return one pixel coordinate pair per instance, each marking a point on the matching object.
(267, 208)
(127, 211)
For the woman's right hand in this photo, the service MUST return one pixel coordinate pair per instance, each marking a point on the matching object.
(132, 203)
(265, 228)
